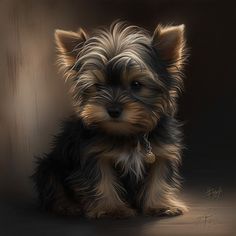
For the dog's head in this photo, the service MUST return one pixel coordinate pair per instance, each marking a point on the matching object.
(123, 79)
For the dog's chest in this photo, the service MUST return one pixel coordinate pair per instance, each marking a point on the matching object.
(131, 161)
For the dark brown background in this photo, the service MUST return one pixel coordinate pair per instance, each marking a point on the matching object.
(33, 97)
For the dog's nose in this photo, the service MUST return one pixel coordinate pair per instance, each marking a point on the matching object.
(114, 111)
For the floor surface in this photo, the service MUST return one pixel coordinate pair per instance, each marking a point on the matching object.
(212, 212)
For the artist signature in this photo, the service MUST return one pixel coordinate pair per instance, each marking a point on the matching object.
(214, 193)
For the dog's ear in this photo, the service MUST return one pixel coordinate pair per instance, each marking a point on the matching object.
(169, 42)
(68, 45)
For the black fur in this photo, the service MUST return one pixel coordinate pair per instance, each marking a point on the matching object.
(65, 164)
(87, 165)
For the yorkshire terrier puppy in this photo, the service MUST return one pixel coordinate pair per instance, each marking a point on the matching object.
(120, 151)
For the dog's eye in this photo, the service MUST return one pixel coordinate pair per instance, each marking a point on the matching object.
(136, 85)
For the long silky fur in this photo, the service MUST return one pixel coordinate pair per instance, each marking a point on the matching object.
(97, 168)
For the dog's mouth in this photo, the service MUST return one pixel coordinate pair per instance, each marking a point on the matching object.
(121, 127)
(116, 126)
(129, 121)
(115, 120)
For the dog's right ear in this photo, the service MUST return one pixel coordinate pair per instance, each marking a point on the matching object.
(68, 45)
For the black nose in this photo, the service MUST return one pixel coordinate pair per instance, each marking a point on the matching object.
(114, 111)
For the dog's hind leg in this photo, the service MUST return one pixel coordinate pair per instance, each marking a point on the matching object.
(53, 194)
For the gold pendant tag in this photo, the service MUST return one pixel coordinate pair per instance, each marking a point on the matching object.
(150, 157)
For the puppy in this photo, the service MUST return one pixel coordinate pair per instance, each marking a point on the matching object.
(120, 151)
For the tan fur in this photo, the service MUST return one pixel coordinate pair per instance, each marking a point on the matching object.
(93, 113)
(107, 193)
(133, 114)
(68, 44)
(157, 194)
(128, 123)
(102, 70)
(170, 42)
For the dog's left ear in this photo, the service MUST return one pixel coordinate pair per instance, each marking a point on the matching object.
(169, 42)
(68, 45)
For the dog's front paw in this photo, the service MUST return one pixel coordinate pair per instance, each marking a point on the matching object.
(164, 212)
(119, 213)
